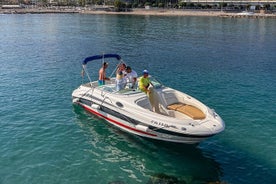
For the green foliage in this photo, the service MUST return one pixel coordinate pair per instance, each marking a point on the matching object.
(161, 5)
(223, 5)
(99, 2)
(267, 6)
(148, 4)
(191, 5)
(81, 2)
(182, 4)
(135, 5)
(119, 5)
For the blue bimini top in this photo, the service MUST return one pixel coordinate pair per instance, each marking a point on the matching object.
(96, 57)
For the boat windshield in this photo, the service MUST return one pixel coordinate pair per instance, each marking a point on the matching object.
(111, 88)
(156, 83)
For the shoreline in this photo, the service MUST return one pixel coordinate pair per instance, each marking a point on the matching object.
(151, 12)
(174, 12)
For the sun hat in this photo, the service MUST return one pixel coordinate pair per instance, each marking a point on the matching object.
(145, 72)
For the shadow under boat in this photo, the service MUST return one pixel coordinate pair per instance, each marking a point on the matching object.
(163, 161)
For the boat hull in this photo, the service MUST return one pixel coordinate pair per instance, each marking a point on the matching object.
(151, 132)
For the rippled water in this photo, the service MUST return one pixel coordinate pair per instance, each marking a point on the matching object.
(229, 64)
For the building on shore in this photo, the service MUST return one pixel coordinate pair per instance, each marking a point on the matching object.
(11, 6)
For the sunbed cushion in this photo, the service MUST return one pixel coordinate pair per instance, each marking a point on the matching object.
(189, 110)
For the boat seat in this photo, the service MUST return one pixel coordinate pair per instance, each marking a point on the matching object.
(188, 110)
(145, 103)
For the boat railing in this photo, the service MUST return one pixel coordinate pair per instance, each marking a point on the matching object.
(110, 86)
(90, 84)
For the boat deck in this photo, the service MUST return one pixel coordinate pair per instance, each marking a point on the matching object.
(110, 86)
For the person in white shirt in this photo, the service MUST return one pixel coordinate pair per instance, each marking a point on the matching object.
(131, 77)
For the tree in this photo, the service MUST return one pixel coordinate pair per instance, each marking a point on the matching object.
(119, 5)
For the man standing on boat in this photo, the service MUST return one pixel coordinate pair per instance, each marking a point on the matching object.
(102, 75)
(131, 77)
(144, 82)
(144, 85)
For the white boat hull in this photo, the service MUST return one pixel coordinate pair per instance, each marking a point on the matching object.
(134, 119)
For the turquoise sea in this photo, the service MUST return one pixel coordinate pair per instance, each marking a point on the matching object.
(227, 63)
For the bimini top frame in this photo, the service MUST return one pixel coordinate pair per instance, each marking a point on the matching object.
(103, 56)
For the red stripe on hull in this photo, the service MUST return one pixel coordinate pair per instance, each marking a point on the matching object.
(116, 122)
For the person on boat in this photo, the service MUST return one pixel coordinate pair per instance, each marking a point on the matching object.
(102, 74)
(144, 82)
(131, 77)
(146, 86)
(120, 80)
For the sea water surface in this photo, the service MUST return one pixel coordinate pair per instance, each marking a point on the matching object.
(228, 64)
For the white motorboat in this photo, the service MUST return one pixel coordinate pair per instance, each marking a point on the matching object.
(170, 115)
